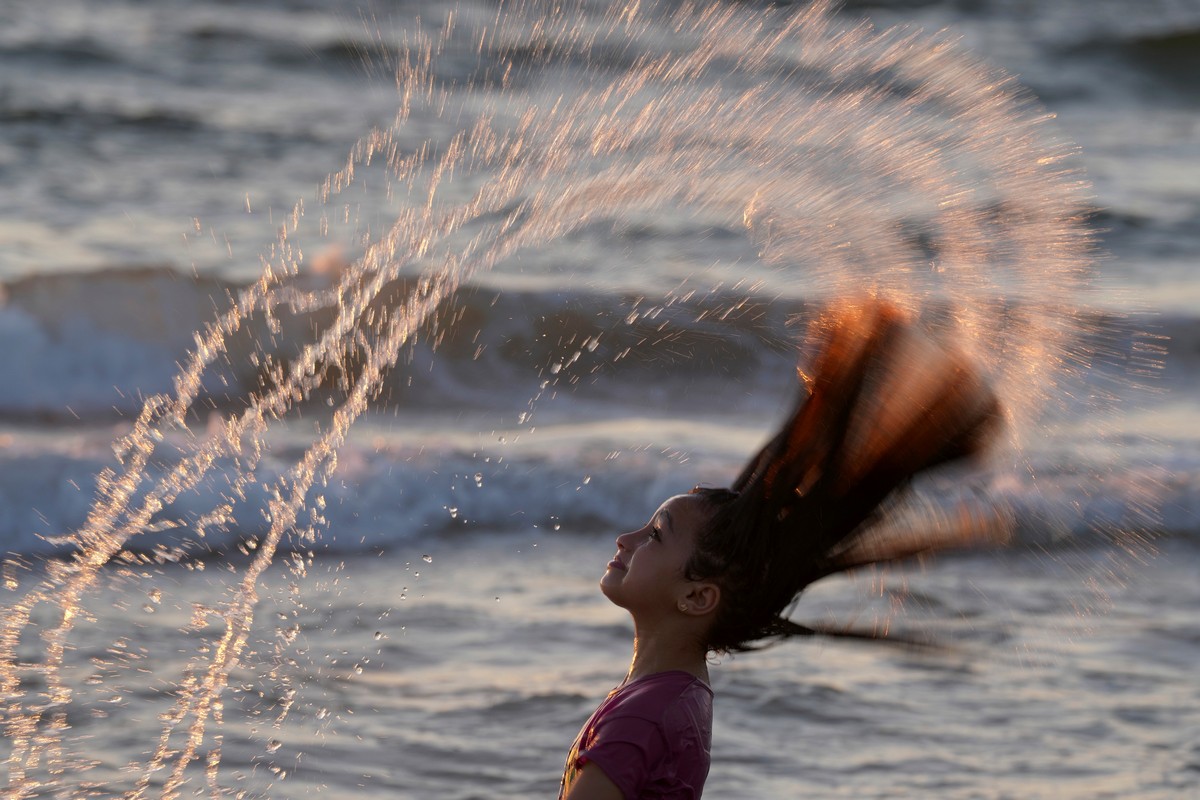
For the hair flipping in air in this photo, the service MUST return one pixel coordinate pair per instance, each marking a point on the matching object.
(886, 400)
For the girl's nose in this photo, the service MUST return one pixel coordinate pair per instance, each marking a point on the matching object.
(626, 540)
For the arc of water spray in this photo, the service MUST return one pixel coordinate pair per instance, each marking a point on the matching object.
(660, 134)
(101, 539)
(116, 517)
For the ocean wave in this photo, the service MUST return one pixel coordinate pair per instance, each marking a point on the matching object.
(1141, 237)
(394, 493)
(78, 116)
(1173, 52)
(384, 495)
(94, 345)
(76, 52)
(1164, 61)
(557, 410)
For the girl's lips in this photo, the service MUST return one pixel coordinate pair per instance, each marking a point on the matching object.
(615, 564)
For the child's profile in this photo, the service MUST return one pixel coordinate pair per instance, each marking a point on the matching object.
(717, 570)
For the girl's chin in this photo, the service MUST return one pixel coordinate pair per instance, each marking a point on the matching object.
(610, 588)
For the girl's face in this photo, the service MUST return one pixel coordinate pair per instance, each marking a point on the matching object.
(647, 573)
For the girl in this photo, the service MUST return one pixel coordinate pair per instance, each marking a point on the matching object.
(716, 570)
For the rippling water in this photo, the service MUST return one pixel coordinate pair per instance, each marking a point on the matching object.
(152, 152)
(470, 679)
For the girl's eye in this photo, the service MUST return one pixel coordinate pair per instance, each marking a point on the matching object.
(655, 535)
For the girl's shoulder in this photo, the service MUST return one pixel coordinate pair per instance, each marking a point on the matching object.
(652, 696)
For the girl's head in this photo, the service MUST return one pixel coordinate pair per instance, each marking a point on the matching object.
(887, 400)
(648, 576)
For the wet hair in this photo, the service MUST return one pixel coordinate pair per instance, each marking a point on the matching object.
(887, 399)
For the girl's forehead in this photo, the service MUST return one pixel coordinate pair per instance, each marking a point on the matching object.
(673, 505)
(683, 511)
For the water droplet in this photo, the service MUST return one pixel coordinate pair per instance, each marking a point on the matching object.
(274, 745)
(453, 512)
(479, 479)
(358, 669)
(428, 559)
(378, 635)
(587, 479)
(148, 608)
(155, 595)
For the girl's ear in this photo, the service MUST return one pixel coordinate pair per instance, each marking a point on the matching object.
(702, 598)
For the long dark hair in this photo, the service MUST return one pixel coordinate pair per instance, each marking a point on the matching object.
(887, 398)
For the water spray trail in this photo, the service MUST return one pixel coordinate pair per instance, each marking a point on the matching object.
(116, 516)
(198, 700)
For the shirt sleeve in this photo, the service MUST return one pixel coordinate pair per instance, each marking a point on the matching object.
(626, 749)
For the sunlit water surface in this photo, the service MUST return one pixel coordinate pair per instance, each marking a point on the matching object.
(582, 241)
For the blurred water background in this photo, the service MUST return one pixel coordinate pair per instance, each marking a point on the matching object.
(148, 154)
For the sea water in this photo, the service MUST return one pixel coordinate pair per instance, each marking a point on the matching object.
(153, 155)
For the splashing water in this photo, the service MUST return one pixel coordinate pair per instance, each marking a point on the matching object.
(852, 159)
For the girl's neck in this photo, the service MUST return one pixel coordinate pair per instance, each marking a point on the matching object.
(655, 654)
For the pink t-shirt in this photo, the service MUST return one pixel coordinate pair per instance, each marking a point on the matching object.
(651, 737)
